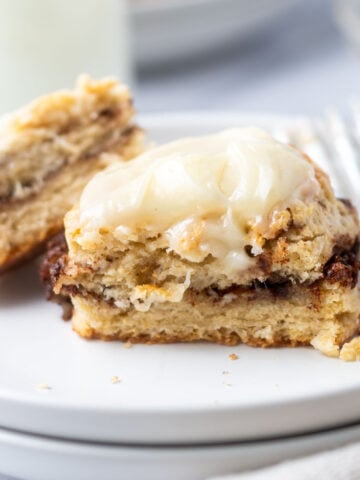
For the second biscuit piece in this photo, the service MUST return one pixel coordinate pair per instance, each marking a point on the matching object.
(48, 152)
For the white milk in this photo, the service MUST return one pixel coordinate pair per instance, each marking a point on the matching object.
(45, 44)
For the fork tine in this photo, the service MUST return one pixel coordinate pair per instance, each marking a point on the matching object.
(329, 142)
(355, 110)
(311, 138)
(307, 137)
(345, 152)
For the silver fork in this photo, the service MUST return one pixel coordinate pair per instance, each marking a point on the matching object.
(335, 145)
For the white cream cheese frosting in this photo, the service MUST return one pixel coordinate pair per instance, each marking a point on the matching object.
(199, 196)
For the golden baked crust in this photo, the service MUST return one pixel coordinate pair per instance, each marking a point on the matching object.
(48, 152)
(323, 316)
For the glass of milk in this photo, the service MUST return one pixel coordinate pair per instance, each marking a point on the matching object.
(46, 44)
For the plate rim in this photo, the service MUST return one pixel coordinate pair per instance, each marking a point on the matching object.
(207, 461)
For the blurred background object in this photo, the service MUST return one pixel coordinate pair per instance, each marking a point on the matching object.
(279, 56)
(296, 63)
(347, 14)
(174, 30)
(45, 44)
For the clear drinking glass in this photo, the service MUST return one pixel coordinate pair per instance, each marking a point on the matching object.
(46, 44)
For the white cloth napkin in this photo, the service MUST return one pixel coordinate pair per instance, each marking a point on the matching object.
(341, 464)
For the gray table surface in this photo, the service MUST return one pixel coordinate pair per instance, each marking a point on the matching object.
(300, 64)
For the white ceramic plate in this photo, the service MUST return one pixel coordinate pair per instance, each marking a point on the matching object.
(169, 30)
(32, 457)
(168, 393)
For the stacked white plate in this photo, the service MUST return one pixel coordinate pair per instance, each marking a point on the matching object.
(177, 411)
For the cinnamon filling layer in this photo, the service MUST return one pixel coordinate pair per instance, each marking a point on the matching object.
(28, 188)
(342, 269)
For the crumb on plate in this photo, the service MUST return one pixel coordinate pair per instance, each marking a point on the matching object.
(44, 386)
(227, 384)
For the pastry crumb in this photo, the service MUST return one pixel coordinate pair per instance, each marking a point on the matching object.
(227, 384)
(233, 356)
(225, 372)
(115, 379)
(350, 351)
(44, 386)
(128, 345)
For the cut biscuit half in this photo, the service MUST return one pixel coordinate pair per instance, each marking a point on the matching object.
(232, 238)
